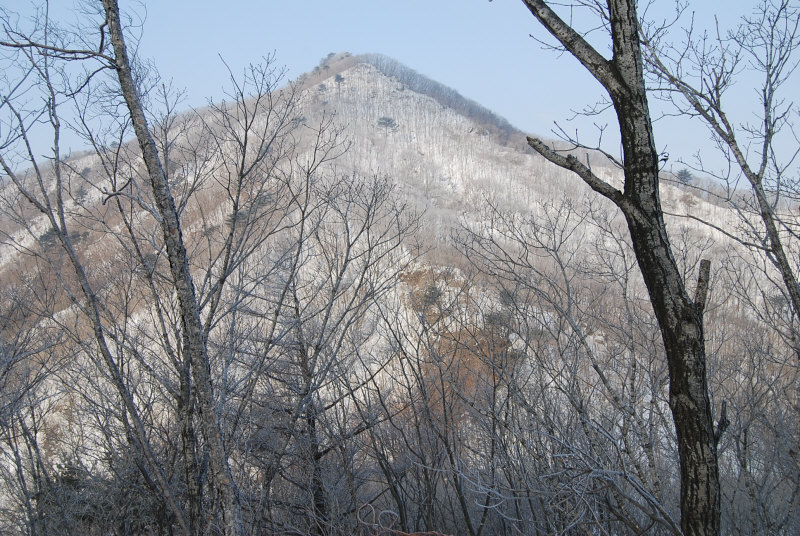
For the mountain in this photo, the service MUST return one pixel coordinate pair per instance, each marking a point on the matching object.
(413, 324)
(450, 154)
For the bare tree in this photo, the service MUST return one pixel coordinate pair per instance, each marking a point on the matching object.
(29, 352)
(46, 192)
(680, 317)
(193, 335)
(573, 304)
(289, 257)
(173, 353)
(696, 76)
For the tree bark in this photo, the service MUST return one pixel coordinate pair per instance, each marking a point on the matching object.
(194, 342)
(679, 319)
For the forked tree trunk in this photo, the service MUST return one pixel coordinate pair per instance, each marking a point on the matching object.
(680, 320)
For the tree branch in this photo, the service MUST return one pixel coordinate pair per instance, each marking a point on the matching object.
(595, 63)
(701, 293)
(571, 163)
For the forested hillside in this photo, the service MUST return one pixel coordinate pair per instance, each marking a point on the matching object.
(395, 317)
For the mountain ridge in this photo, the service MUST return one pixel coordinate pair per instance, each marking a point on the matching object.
(448, 154)
(335, 63)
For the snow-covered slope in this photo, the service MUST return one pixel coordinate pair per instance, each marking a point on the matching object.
(449, 156)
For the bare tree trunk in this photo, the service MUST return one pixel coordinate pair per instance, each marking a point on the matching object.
(189, 445)
(193, 335)
(679, 319)
(771, 36)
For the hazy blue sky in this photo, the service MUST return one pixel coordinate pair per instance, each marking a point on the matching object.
(482, 49)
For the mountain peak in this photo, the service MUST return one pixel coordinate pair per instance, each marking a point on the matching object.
(334, 65)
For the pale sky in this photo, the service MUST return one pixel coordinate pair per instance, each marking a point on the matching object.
(482, 49)
(479, 48)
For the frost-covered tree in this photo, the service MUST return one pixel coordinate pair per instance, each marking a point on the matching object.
(680, 316)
